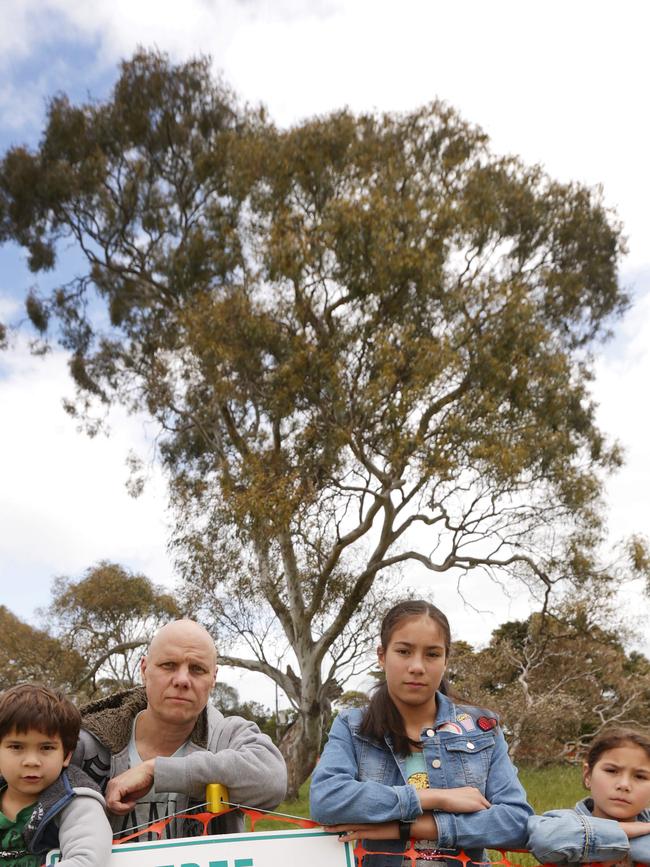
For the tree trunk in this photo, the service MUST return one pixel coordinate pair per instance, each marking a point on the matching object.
(300, 747)
(515, 739)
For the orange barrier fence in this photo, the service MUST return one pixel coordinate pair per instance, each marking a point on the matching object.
(217, 804)
(157, 830)
(415, 855)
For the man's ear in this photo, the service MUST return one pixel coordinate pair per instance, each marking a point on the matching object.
(66, 760)
(143, 667)
(214, 679)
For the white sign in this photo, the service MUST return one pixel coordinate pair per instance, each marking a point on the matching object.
(305, 848)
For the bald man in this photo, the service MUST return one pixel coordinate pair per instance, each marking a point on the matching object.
(155, 749)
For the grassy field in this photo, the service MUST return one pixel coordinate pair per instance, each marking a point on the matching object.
(553, 787)
(547, 788)
(300, 807)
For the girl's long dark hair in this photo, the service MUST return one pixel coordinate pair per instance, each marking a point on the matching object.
(381, 716)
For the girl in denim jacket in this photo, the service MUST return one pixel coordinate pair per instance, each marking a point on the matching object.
(414, 764)
(614, 823)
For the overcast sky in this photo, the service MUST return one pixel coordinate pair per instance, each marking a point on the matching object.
(563, 84)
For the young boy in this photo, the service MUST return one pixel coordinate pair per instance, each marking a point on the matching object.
(44, 804)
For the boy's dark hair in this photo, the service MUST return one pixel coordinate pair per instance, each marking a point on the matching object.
(29, 706)
(610, 739)
(381, 716)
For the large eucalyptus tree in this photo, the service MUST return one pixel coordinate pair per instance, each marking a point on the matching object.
(364, 340)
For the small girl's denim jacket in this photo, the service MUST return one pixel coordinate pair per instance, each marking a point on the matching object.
(574, 836)
(360, 780)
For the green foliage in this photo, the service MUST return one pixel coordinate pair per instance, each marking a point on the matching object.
(227, 700)
(353, 698)
(557, 679)
(29, 654)
(225, 697)
(639, 554)
(37, 312)
(96, 631)
(108, 616)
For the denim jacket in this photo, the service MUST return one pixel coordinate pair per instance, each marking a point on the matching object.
(573, 836)
(360, 780)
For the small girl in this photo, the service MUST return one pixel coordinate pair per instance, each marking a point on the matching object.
(414, 764)
(611, 825)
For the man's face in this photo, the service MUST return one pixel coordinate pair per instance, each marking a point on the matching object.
(30, 762)
(179, 672)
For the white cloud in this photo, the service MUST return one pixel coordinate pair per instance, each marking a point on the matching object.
(9, 307)
(20, 107)
(621, 388)
(63, 502)
(18, 39)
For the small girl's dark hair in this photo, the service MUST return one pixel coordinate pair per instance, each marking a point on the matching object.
(28, 706)
(381, 716)
(612, 738)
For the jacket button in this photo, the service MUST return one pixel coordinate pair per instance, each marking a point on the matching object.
(430, 733)
(470, 745)
(435, 763)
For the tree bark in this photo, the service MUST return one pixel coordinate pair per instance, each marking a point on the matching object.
(300, 747)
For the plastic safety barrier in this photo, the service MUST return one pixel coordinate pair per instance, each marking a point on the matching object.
(217, 803)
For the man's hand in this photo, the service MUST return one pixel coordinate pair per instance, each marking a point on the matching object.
(124, 790)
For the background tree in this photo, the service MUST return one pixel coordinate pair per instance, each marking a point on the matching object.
(29, 654)
(557, 679)
(227, 699)
(353, 698)
(365, 341)
(108, 617)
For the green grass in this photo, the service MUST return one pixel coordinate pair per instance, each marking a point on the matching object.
(299, 807)
(553, 787)
(547, 789)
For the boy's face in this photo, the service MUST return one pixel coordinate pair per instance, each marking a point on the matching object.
(30, 762)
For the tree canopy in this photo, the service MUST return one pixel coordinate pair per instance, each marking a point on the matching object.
(27, 653)
(94, 632)
(365, 340)
(557, 679)
(108, 617)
